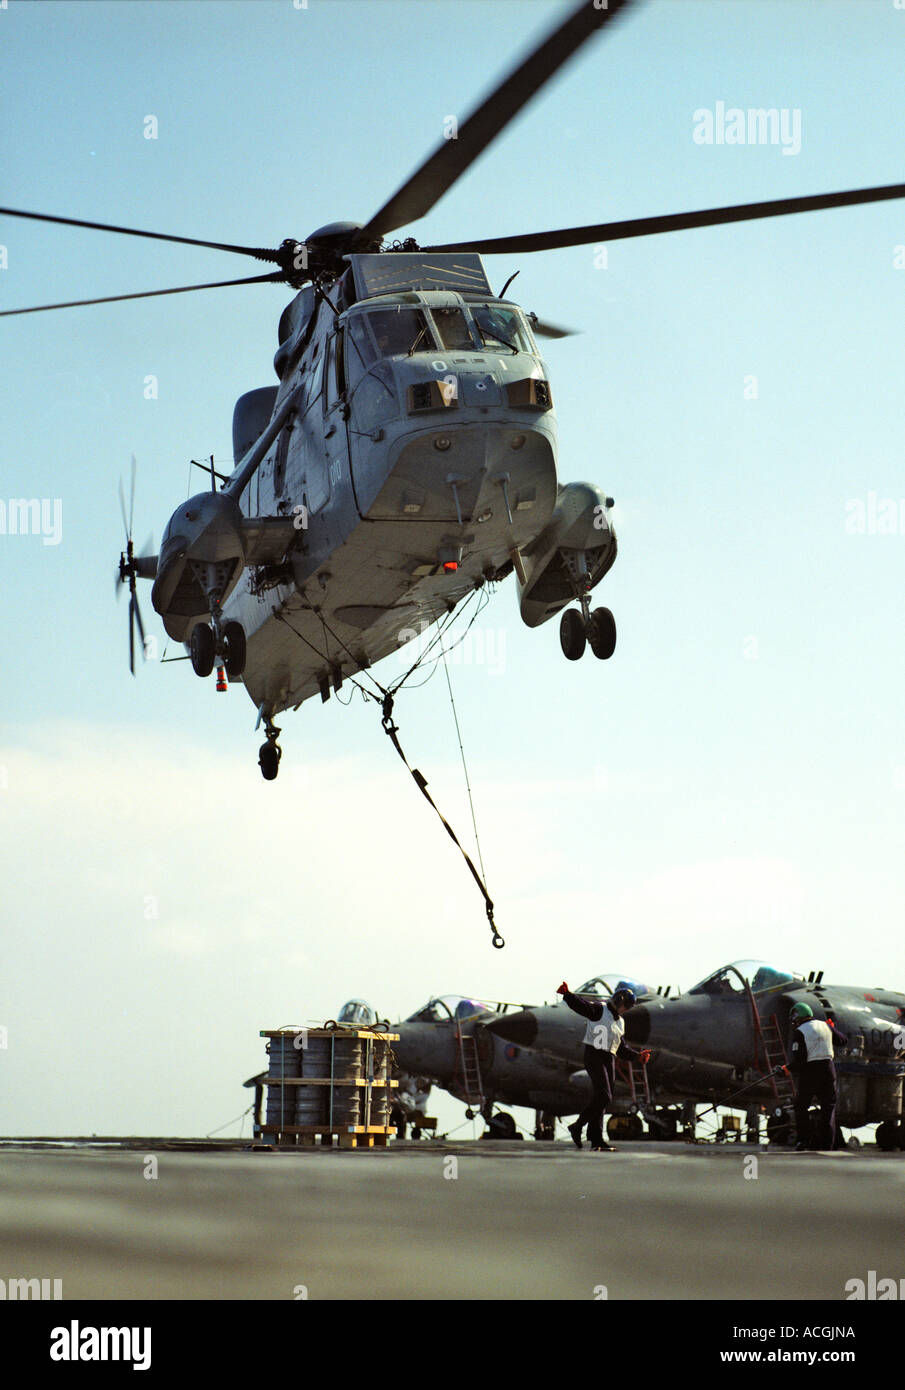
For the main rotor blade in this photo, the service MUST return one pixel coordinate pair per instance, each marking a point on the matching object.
(441, 170)
(122, 507)
(673, 222)
(542, 329)
(132, 496)
(145, 294)
(141, 626)
(261, 253)
(132, 633)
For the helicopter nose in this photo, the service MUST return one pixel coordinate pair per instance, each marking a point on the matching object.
(520, 1028)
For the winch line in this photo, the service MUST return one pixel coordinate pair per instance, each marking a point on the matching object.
(421, 783)
(464, 764)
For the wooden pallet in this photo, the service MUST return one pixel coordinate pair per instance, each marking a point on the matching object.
(350, 1136)
(325, 1081)
(339, 1032)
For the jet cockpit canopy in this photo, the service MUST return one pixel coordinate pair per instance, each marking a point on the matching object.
(730, 979)
(606, 985)
(450, 1006)
(357, 1011)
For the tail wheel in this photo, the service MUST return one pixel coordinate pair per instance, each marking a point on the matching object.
(203, 649)
(234, 638)
(269, 761)
(601, 632)
(572, 637)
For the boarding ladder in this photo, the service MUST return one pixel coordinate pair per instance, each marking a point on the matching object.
(768, 1041)
(468, 1072)
(635, 1077)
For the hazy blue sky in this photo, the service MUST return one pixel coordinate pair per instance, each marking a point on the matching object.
(731, 784)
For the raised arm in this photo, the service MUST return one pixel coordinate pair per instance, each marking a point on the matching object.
(586, 1007)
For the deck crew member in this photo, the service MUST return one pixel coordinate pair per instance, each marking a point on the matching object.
(814, 1072)
(604, 1041)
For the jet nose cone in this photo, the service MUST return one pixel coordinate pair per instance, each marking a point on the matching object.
(637, 1024)
(518, 1028)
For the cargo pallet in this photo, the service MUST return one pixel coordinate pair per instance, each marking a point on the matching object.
(349, 1136)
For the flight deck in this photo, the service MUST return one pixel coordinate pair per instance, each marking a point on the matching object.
(167, 1218)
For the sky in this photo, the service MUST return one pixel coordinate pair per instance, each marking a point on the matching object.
(731, 784)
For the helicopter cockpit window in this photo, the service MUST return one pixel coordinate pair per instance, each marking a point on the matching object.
(453, 330)
(501, 327)
(362, 351)
(397, 331)
(373, 400)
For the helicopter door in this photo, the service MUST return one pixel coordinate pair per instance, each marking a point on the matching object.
(335, 440)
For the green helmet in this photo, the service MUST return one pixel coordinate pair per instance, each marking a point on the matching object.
(800, 1012)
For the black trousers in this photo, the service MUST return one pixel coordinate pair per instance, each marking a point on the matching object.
(601, 1068)
(817, 1080)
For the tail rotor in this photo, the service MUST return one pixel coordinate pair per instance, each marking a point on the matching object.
(132, 567)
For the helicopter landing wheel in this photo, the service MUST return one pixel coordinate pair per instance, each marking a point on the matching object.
(601, 633)
(203, 648)
(234, 642)
(269, 756)
(572, 637)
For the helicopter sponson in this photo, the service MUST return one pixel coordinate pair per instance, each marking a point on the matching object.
(574, 551)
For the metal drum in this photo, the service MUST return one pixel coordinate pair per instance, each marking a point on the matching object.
(315, 1058)
(346, 1105)
(285, 1057)
(379, 1108)
(281, 1105)
(348, 1059)
(310, 1105)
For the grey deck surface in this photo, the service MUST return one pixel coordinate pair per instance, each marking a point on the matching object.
(519, 1221)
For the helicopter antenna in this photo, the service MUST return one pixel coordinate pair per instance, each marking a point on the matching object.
(502, 293)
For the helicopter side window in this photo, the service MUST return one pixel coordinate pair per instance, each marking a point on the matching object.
(374, 398)
(330, 375)
(453, 329)
(340, 375)
(398, 331)
(362, 352)
(498, 326)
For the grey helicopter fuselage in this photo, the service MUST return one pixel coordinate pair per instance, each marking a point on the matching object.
(406, 458)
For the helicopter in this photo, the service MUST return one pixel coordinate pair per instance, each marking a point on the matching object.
(407, 456)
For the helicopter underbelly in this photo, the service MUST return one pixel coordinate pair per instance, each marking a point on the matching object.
(386, 582)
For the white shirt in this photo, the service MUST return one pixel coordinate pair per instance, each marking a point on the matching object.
(818, 1039)
(607, 1033)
